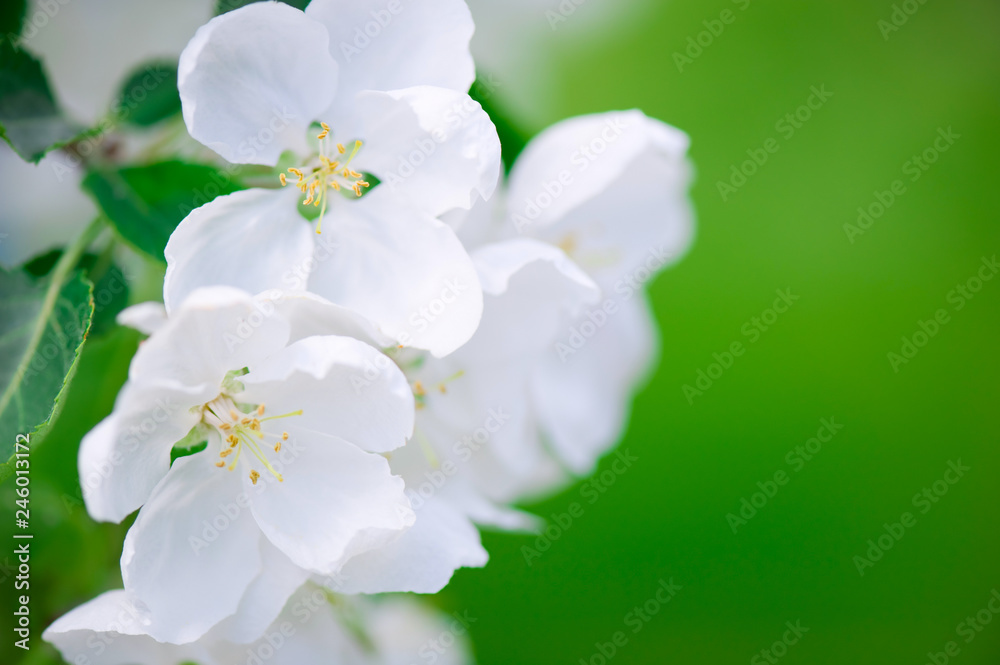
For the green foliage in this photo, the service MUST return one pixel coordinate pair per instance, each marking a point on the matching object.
(146, 203)
(513, 139)
(30, 120)
(42, 327)
(11, 16)
(149, 95)
(223, 6)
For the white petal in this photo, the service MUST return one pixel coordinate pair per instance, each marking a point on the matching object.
(433, 147)
(386, 46)
(254, 240)
(110, 627)
(215, 331)
(146, 317)
(193, 550)
(266, 596)
(310, 315)
(335, 501)
(309, 630)
(123, 458)
(403, 270)
(88, 48)
(423, 559)
(343, 387)
(611, 187)
(43, 206)
(536, 287)
(253, 80)
(583, 397)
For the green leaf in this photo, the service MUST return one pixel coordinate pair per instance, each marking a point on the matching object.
(148, 95)
(11, 16)
(30, 120)
(194, 442)
(42, 326)
(223, 6)
(146, 203)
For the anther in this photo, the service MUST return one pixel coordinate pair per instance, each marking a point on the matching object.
(254, 476)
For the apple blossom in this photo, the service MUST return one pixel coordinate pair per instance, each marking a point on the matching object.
(611, 190)
(288, 480)
(350, 89)
(314, 627)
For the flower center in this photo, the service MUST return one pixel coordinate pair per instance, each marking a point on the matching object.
(241, 429)
(333, 172)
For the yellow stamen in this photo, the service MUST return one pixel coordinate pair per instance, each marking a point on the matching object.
(283, 179)
(220, 464)
(254, 476)
(260, 410)
(277, 447)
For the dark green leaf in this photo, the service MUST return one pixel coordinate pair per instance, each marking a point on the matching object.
(149, 95)
(11, 16)
(146, 203)
(223, 6)
(42, 327)
(30, 120)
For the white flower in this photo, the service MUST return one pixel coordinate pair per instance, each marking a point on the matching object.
(612, 191)
(477, 442)
(309, 631)
(351, 88)
(291, 482)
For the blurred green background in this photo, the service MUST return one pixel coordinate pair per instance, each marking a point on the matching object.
(666, 516)
(826, 357)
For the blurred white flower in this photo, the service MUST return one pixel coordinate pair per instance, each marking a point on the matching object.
(291, 482)
(611, 190)
(387, 86)
(314, 627)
